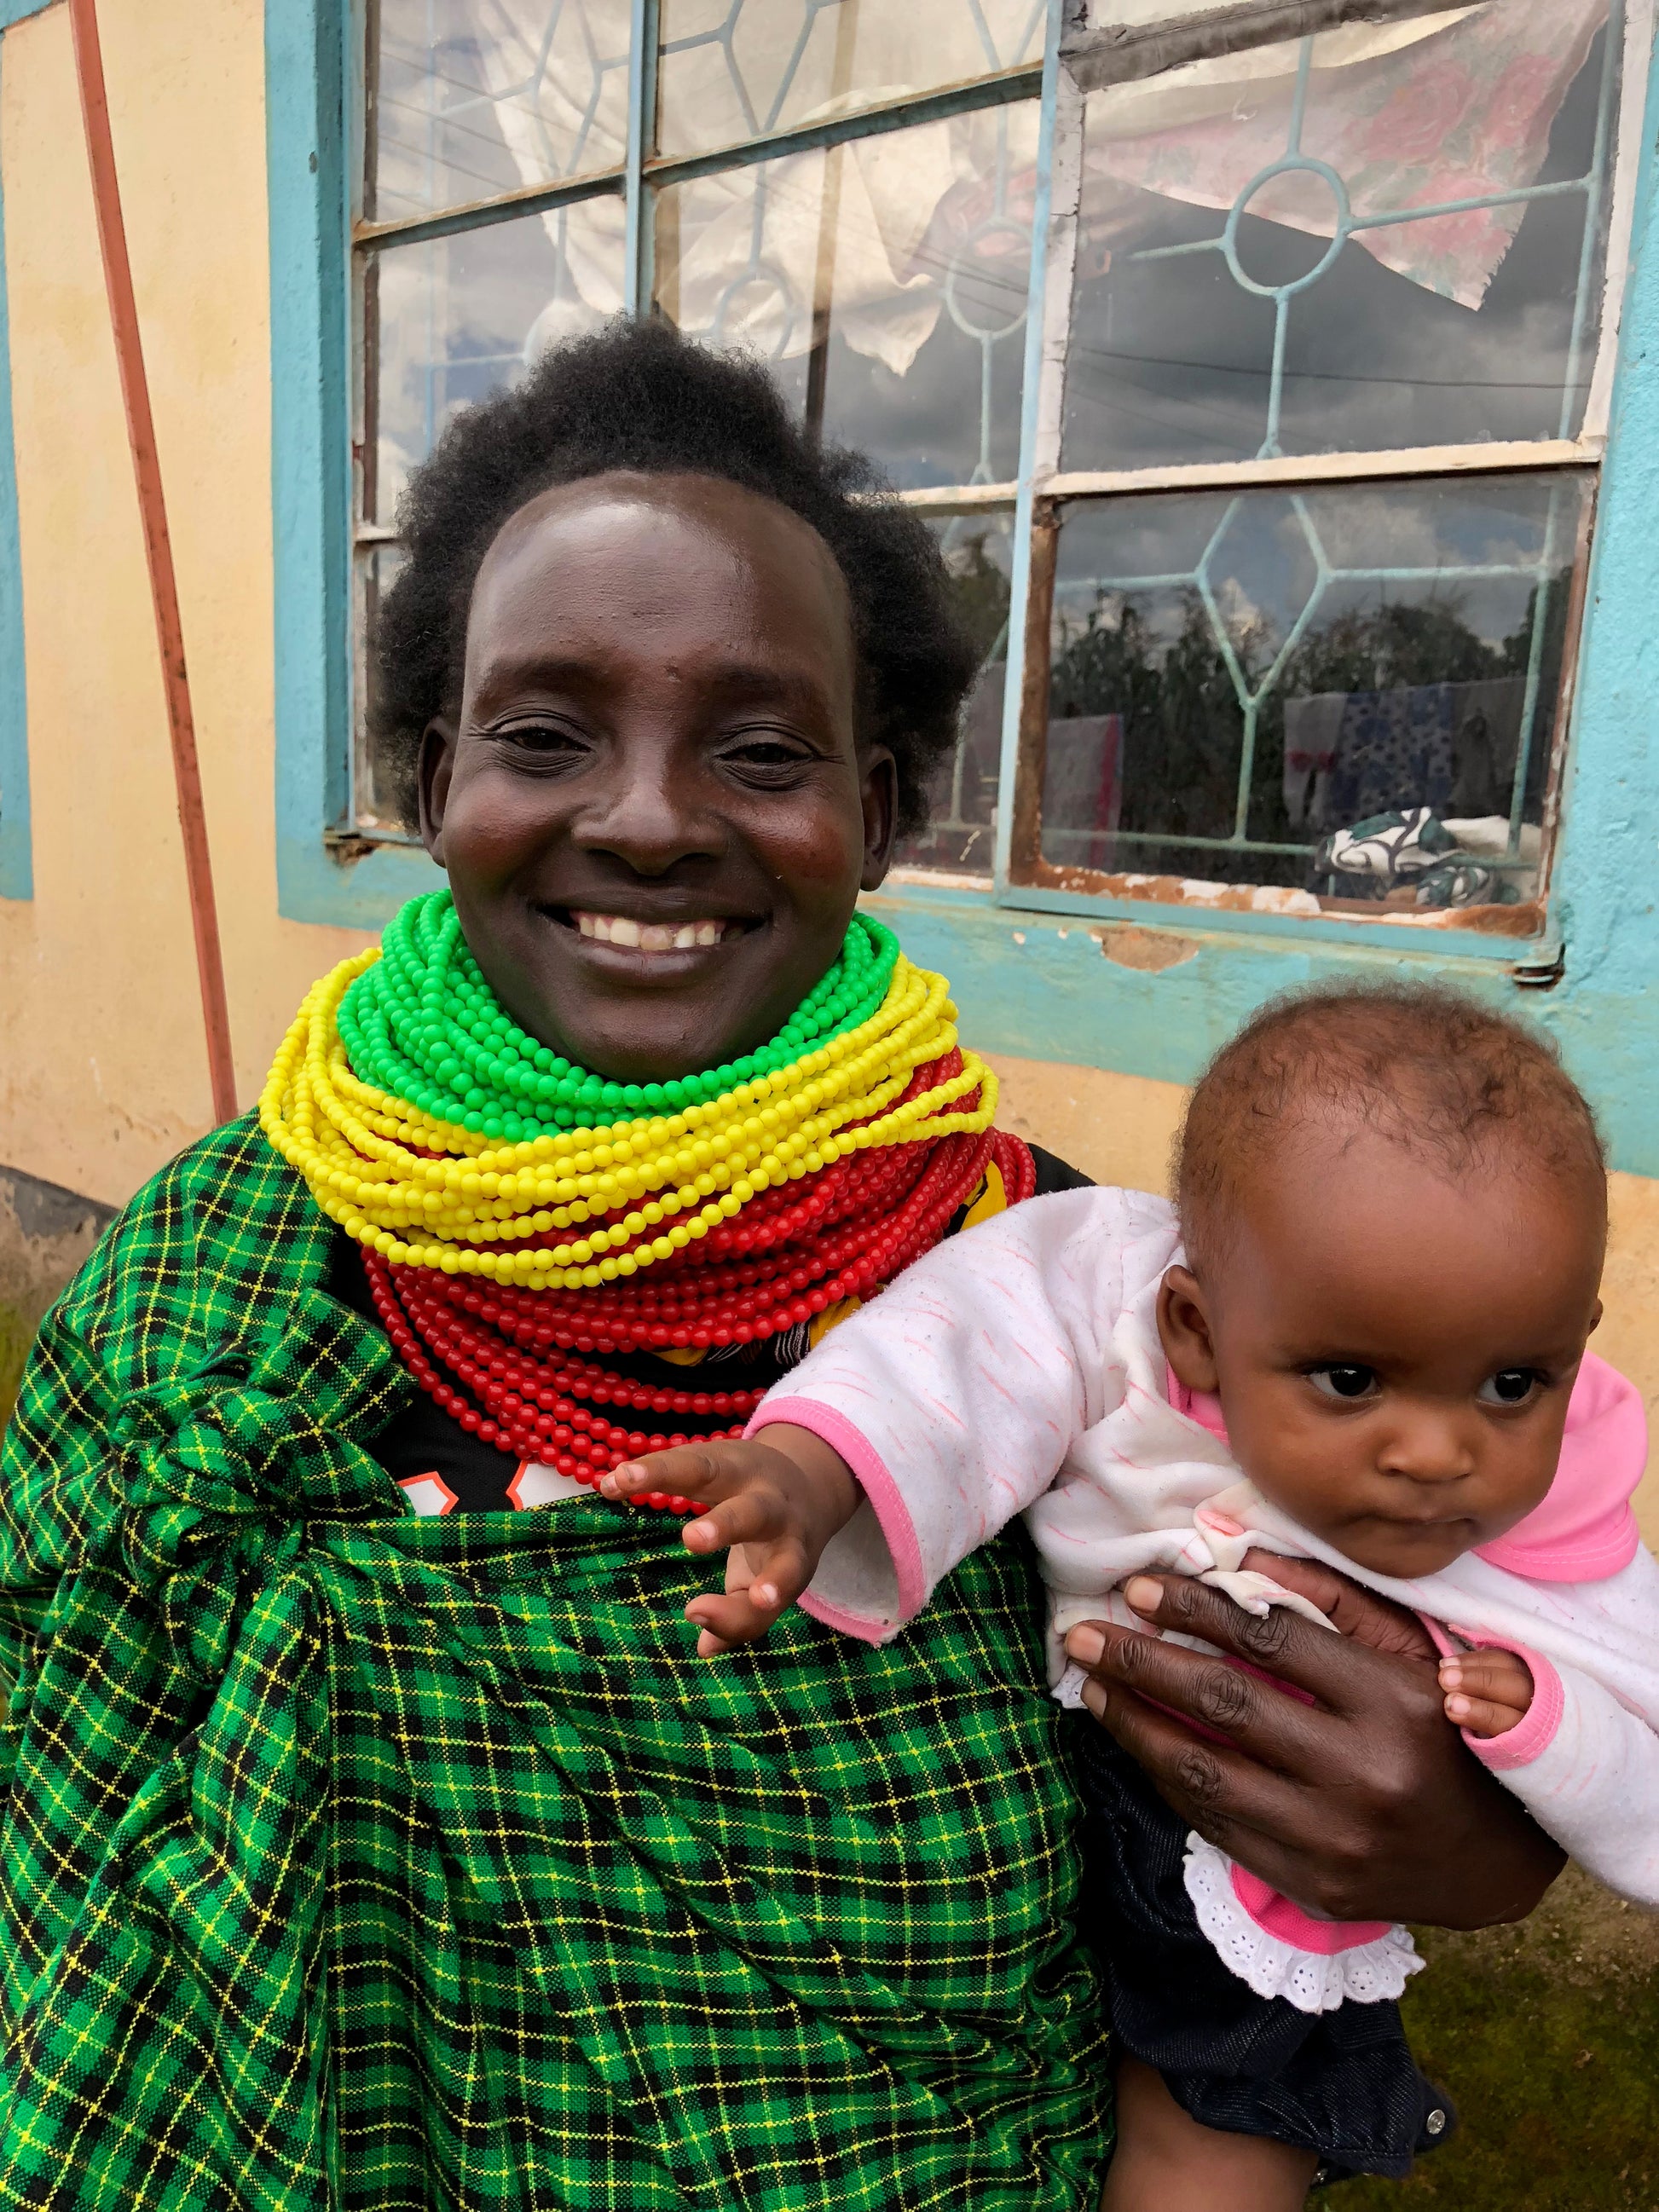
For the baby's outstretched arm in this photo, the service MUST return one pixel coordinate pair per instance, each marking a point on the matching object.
(773, 1502)
(1487, 1693)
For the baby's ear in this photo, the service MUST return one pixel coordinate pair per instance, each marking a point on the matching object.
(1183, 1326)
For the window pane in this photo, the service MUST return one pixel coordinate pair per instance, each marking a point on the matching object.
(379, 793)
(884, 282)
(1239, 681)
(728, 71)
(961, 831)
(452, 319)
(1252, 277)
(469, 99)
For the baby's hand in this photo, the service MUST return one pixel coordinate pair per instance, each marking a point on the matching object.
(1487, 1693)
(775, 1501)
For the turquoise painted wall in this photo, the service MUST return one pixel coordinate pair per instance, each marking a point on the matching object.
(1030, 983)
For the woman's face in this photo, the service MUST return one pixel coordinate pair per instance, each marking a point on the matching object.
(652, 806)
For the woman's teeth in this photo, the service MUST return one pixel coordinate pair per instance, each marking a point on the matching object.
(648, 936)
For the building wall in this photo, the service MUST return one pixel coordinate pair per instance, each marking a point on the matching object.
(103, 1074)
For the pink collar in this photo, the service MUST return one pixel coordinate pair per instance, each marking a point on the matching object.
(1584, 1529)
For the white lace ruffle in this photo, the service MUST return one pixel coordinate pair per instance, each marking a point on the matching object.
(1307, 1979)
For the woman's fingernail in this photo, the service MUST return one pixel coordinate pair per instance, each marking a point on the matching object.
(1143, 1593)
(1095, 1698)
(1086, 1646)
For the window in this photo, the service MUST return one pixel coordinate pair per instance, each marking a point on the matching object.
(1252, 364)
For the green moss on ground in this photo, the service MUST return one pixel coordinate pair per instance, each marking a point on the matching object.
(1546, 2037)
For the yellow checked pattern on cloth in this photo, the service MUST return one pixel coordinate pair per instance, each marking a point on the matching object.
(425, 1193)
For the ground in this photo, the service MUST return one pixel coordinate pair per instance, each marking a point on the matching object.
(1547, 2038)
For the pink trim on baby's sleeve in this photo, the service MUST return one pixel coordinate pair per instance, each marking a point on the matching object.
(886, 1501)
(1535, 1732)
(1292, 1925)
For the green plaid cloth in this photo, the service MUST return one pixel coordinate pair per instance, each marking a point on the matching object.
(358, 1860)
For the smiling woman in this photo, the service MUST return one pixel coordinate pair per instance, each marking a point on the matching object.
(380, 1841)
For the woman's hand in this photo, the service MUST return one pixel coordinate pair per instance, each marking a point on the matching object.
(773, 1501)
(1367, 1805)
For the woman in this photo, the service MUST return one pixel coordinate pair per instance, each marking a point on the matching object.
(372, 1857)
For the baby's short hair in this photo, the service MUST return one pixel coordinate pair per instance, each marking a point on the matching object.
(1425, 1067)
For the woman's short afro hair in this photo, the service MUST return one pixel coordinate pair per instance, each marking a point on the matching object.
(638, 396)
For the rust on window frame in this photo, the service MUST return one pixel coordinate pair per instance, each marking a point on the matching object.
(1125, 54)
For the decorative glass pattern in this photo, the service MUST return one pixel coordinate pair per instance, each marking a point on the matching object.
(1388, 235)
(1236, 679)
(886, 282)
(469, 98)
(732, 70)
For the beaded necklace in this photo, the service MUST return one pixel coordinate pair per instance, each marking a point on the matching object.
(732, 1206)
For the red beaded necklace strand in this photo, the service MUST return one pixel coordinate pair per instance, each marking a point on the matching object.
(519, 1357)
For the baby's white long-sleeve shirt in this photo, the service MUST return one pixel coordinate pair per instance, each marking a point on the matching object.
(1017, 1368)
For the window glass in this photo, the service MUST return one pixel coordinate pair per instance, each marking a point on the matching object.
(884, 282)
(1350, 694)
(1261, 270)
(449, 319)
(380, 792)
(469, 98)
(732, 68)
(961, 831)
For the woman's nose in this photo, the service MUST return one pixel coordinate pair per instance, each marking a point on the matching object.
(647, 813)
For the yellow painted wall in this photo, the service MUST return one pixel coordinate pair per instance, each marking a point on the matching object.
(102, 1071)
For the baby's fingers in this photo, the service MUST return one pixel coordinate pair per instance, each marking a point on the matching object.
(738, 1618)
(1479, 1717)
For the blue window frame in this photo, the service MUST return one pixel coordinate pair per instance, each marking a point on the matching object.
(16, 858)
(1104, 464)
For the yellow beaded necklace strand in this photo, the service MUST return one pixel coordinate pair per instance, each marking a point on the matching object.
(423, 1193)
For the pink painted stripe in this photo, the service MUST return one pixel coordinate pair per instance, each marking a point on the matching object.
(878, 1486)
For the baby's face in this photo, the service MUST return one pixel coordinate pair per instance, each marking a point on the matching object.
(1393, 1351)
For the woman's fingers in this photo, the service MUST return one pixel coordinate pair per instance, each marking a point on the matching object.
(1241, 1808)
(1340, 1673)
(1358, 1613)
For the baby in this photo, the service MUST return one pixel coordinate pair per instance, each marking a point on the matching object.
(1359, 1337)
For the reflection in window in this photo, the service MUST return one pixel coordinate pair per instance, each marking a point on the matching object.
(961, 831)
(453, 319)
(1350, 694)
(884, 280)
(469, 98)
(1388, 235)
(729, 72)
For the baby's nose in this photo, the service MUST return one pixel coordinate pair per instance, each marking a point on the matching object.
(1427, 1447)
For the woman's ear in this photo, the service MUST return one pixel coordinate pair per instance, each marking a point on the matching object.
(878, 793)
(433, 767)
(1183, 1326)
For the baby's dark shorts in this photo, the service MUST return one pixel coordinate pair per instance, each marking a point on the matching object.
(1343, 2084)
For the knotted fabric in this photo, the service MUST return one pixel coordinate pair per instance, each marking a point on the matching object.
(353, 1860)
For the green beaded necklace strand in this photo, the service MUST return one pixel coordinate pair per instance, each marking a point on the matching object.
(424, 1025)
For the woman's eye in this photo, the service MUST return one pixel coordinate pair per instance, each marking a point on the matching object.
(539, 738)
(765, 753)
(1343, 1382)
(1510, 1386)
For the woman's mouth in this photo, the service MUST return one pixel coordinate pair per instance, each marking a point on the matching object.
(653, 936)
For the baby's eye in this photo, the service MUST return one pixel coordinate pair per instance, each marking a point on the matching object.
(1343, 1382)
(1510, 1386)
